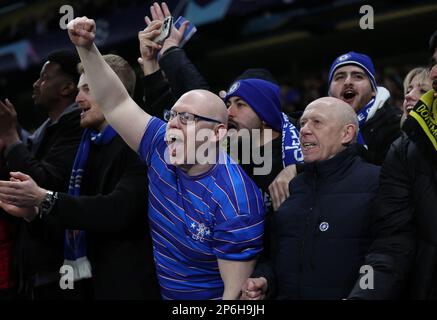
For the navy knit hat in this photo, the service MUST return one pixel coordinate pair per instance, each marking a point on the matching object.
(263, 97)
(361, 60)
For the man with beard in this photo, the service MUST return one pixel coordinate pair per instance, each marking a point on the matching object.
(47, 157)
(352, 79)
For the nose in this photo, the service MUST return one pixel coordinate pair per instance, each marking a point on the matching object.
(79, 97)
(174, 123)
(304, 130)
(348, 79)
(36, 83)
(231, 111)
(411, 97)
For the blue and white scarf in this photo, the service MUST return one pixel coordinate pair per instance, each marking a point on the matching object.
(291, 149)
(362, 118)
(75, 241)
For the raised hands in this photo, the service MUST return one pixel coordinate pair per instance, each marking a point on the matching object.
(160, 12)
(148, 48)
(82, 32)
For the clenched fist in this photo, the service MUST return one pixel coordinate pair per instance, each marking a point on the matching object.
(82, 32)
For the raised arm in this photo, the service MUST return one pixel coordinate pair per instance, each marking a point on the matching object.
(124, 115)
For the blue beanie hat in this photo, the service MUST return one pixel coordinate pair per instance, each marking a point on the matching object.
(361, 60)
(263, 97)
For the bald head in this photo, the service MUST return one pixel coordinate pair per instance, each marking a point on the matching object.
(327, 127)
(204, 103)
(338, 110)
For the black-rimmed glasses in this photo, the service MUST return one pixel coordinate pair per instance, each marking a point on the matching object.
(185, 117)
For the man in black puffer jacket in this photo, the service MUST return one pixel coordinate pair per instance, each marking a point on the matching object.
(322, 230)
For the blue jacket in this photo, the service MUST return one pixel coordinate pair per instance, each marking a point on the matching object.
(322, 230)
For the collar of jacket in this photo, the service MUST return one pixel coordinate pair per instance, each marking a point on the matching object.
(334, 167)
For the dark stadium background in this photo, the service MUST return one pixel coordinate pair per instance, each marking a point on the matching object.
(296, 39)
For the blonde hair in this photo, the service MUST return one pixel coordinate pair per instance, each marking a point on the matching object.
(121, 68)
(421, 72)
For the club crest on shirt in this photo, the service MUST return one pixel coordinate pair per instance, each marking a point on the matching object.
(200, 231)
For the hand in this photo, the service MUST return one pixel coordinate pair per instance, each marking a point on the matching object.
(254, 289)
(82, 32)
(27, 213)
(278, 189)
(148, 48)
(8, 124)
(21, 191)
(160, 13)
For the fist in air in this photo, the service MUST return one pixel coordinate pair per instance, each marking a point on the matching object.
(82, 31)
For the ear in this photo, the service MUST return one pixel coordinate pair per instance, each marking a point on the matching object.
(68, 89)
(220, 132)
(348, 134)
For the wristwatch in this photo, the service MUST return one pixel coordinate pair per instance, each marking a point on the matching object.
(47, 203)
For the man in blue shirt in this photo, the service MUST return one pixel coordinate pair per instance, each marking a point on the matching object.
(206, 215)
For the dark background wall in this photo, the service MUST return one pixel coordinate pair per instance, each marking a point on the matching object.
(296, 40)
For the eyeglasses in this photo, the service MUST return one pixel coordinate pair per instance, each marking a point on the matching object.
(185, 117)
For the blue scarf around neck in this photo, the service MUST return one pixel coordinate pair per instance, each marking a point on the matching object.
(362, 117)
(74, 241)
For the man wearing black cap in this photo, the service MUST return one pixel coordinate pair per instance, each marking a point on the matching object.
(47, 157)
(352, 79)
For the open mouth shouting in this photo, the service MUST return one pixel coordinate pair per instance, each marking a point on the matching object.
(348, 95)
(175, 142)
(84, 111)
